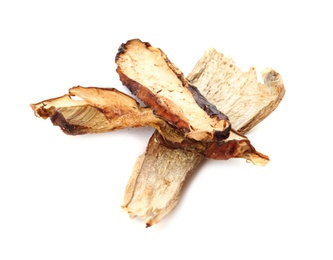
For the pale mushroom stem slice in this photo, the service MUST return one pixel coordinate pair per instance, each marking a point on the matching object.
(155, 185)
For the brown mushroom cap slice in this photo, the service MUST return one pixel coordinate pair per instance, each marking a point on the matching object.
(154, 79)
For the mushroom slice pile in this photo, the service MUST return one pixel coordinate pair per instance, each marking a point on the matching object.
(189, 126)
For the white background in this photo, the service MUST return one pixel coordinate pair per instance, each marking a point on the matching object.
(60, 195)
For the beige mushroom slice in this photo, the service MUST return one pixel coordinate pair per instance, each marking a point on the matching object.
(155, 80)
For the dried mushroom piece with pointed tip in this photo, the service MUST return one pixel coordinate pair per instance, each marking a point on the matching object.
(100, 110)
(247, 102)
(154, 79)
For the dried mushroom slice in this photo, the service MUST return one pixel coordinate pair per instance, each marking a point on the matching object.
(100, 110)
(154, 187)
(237, 93)
(154, 79)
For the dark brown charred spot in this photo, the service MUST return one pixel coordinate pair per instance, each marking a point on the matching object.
(186, 144)
(42, 112)
(227, 150)
(121, 50)
(222, 151)
(222, 135)
(147, 44)
(58, 120)
(122, 47)
(210, 109)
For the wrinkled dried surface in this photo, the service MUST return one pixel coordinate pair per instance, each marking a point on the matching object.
(245, 100)
(154, 79)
